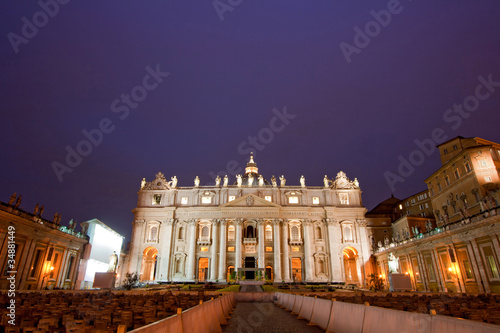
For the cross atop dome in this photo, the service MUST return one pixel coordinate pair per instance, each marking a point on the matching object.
(251, 166)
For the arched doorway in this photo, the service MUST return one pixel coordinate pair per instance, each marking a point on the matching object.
(269, 273)
(148, 271)
(350, 265)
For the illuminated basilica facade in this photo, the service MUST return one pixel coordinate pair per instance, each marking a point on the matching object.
(254, 227)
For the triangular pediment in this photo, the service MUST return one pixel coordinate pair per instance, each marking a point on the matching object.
(250, 200)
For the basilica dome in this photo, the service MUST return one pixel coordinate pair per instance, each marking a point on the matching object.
(252, 176)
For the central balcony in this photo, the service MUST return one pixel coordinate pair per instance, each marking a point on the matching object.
(250, 241)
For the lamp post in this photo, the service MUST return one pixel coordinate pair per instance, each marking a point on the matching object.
(455, 276)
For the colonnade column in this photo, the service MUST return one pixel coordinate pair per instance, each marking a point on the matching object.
(222, 251)
(286, 261)
(213, 261)
(239, 240)
(165, 242)
(309, 264)
(277, 251)
(261, 239)
(191, 275)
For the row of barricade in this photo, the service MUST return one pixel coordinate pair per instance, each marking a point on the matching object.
(204, 318)
(340, 317)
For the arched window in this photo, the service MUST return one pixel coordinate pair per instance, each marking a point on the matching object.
(153, 233)
(230, 232)
(269, 233)
(295, 233)
(317, 232)
(347, 233)
(181, 233)
(205, 232)
(250, 232)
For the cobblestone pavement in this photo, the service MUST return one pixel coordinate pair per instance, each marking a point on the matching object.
(265, 317)
(251, 288)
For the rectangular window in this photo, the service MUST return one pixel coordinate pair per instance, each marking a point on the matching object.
(439, 186)
(455, 147)
(231, 198)
(204, 249)
(467, 269)
(447, 180)
(315, 200)
(293, 200)
(445, 151)
(430, 269)
(490, 262)
(184, 200)
(456, 173)
(36, 262)
(295, 249)
(70, 267)
(467, 167)
(230, 249)
(206, 200)
(487, 179)
(269, 198)
(55, 263)
(344, 198)
(416, 269)
(156, 199)
(269, 249)
(446, 266)
(483, 164)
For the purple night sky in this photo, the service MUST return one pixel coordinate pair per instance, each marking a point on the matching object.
(347, 100)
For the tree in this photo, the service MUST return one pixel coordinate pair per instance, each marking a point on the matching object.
(131, 280)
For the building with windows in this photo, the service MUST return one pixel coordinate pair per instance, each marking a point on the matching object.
(468, 181)
(256, 227)
(39, 253)
(459, 250)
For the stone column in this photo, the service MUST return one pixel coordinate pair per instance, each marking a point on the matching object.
(165, 244)
(277, 251)
(308, 258)
(333, 242)
(239, 240)
(261, 240)
(135, 255)
(191, 273)
(222, 251)
(286, 260)
(423, 271)
(213, 260)
(439, 273)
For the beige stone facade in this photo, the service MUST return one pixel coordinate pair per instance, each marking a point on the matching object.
(39, 253)
(258, 228)
(458, 250)
(468, 181)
